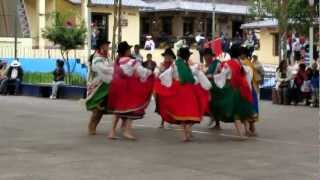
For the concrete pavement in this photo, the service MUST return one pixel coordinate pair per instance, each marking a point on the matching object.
(42, 139)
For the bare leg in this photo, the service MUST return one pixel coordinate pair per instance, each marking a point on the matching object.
(253, 128)
(239, 129)
(185, 133)
(112, 134)
(162, 124)
(127, 131)
(189, 130)
(247, 128)
(94, 121)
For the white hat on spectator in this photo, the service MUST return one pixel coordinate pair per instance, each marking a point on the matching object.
(15, 63)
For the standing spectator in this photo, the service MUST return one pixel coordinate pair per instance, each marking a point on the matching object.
(58, 78)
(315, 85)
(136, 53)
(283, 77)
(149, 64)
(149, 44)
(94, 37)
(14, 78)
(296, 47)
(225, 44)
(249, 44)
(200, 40)
(258, 68)
(238, 38)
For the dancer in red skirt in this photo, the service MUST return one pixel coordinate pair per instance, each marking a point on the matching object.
(130, 90)
(169, 58)
(183, 94)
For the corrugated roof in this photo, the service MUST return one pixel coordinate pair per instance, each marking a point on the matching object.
(130, 3)
(199, 6)
(270, 23)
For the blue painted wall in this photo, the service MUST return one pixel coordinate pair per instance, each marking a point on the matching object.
(48, 65)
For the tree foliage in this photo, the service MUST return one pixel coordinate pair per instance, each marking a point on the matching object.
(66, 34)
(299, 14)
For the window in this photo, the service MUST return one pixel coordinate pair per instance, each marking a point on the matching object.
(167, 25)
(188, 26)
(275, 44)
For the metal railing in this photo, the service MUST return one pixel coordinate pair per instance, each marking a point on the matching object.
(27, 52)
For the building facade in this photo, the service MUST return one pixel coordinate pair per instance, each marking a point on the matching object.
(171, 19)
(33, 17)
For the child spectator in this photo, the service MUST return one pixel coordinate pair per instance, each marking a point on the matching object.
(58, 78)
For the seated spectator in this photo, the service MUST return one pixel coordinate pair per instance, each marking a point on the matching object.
(58, 78)
(283, 77)
(306, 86)
(315, 85)
(136, 53)
(3, 67)
(149, 63)
(299, 79)
(14, 78)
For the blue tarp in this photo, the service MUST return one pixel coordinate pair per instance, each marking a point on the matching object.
(45, 65)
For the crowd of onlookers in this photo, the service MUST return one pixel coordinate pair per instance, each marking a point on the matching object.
(297, 77)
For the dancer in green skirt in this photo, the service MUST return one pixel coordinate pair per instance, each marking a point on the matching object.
(231, 93)
(100, 75)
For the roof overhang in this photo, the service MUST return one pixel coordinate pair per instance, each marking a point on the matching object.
(188, 6)
(127, 3)
(267, 23)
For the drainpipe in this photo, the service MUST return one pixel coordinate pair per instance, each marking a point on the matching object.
(311, 32)
(16, 31)
(213, 19)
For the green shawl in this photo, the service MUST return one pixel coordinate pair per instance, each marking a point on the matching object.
(185, 74)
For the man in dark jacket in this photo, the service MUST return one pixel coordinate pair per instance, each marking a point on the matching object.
(14, 76)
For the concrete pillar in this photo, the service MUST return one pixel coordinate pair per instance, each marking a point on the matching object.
(86, 15)
(179, 26)
(41, 9)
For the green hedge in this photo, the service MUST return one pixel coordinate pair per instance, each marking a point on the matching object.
(41, 78)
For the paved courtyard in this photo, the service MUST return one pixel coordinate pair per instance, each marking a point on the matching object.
(46, 140)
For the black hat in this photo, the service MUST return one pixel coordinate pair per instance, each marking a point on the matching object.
(235, 50)
(123, 47)
(244, 51)
(208, 51)
(102, 40)
(169, 52)
(184, 53)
